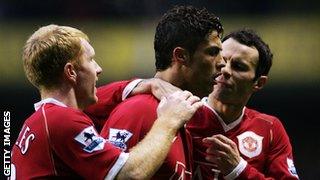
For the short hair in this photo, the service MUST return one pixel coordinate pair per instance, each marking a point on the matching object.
(184, 26)
(47, 51)
(250, 38)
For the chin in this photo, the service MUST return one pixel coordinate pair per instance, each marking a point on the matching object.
(94, 99)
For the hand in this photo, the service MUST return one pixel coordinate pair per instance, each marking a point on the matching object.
(178, 108)
(156, 86)
(223, 152)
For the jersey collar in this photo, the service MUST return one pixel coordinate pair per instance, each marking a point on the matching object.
(226, 127)
(48, 100)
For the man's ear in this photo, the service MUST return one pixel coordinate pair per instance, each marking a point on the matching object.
(180, 55)
(70, 72)
(259, 83)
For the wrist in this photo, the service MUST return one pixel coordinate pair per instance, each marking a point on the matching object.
(168, 125)
(237, 170)
(130, 88)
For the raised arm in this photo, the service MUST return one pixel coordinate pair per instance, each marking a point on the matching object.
(110, 95)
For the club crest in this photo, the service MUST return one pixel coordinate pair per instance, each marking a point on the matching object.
(250, 144)
(90, 139)
(119, 137)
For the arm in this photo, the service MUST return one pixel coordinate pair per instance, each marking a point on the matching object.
(79, 146)
(110, 95)
(173, 113)
(155, 86)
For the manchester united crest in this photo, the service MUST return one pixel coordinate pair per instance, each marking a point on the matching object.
(250, 144)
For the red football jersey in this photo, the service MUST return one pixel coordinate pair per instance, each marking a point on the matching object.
(61, 142)
(132, 120)
(261, 139)
(109, 96)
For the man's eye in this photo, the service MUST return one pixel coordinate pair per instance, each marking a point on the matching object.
(214, 52)
(239, 66)
(220, 65)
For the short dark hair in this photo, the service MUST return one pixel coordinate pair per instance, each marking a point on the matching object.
(184, 26)
(250, 38)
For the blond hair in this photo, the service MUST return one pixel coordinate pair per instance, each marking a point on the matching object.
(47, 51)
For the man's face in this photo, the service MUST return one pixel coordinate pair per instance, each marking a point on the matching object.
(87, 75)
(199, 76)
(236, 84)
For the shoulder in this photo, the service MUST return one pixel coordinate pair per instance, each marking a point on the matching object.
(140, 109)
(144, 102)
(63, 118)
(262, 117)
(265, 122)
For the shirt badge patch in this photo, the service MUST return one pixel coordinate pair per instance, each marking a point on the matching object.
(250, 144)
(291, 167)
(119, 137)
(90, 139)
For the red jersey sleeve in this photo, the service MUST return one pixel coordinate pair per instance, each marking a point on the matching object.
(279, 163)
(130, 121)
(109, 96)
(80, 147)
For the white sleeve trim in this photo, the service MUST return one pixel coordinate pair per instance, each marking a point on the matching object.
(122, 159)
(128, 89)
(237, 170)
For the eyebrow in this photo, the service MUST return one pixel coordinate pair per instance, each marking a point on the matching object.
(216, 47)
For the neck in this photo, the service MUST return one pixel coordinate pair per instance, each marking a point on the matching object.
(62, 94)
(228, 112)
(170, 76)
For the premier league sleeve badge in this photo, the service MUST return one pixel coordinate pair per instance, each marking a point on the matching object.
(119, 137)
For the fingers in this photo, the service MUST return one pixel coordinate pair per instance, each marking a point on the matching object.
(220, 142)
(160, 88)
(193, 99)
(216, 157)
(223, 152)
(197, 105)
(179, 107)
(216, 144)
(226, 141)
(163, 101)
(185, 95)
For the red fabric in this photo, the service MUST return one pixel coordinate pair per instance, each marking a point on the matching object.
(56, 153)
(109, 96)
(137, 115)
(270, 163)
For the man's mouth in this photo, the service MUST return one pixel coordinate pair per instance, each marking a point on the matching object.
(215, 77)
(220, 79)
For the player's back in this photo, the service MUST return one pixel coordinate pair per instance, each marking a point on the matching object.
(131, 120)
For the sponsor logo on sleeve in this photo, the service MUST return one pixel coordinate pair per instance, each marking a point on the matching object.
(250, 144)
(90, 139)
(291, 167)
(119, 137)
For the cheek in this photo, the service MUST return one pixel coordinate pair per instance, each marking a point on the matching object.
(244, 86)
(206, 66)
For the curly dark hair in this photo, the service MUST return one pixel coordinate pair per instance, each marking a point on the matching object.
(250, 38)
(183, 26)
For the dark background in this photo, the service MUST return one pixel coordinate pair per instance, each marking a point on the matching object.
(122, 34)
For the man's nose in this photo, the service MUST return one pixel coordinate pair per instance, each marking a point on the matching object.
(226, 70)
